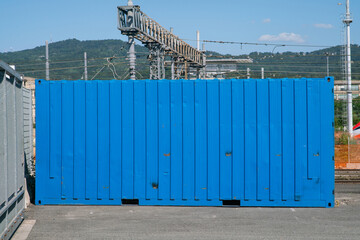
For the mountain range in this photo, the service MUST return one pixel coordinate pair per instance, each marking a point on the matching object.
(107, 59)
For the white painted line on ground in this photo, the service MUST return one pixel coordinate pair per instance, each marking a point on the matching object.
(292, 209)
(24, 230)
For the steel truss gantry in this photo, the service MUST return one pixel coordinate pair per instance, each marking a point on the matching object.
(160, 42)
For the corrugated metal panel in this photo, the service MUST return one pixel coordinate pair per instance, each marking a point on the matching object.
(182, 142)
(28, 131)
(11, 151)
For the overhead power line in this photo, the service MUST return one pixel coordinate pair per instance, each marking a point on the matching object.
(65, 68)
(64, 61)
(262, 44)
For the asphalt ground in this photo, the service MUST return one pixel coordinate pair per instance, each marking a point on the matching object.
(144, 222)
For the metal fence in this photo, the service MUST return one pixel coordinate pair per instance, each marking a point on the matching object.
(347, 148)
(12, 185)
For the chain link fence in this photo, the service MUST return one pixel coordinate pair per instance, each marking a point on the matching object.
(347, 148)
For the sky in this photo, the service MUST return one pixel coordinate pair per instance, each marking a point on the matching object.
(27, 24)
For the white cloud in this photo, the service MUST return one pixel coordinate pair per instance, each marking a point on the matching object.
(266, 20)
(323, 25)
(283, 37)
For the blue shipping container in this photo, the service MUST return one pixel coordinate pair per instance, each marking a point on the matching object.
(254, 142)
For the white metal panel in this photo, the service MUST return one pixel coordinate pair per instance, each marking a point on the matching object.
(3, 137)
(28, 130)
(11, 151)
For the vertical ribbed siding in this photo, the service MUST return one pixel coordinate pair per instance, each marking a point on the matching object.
(28, 130)
(12, 151)
(263, 142)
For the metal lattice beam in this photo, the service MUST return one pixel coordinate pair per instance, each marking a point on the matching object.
(157, 59)
(133, 22)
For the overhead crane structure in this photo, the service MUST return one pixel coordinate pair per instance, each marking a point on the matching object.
(137, 25)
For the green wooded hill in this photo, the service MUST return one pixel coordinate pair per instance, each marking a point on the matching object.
(301, 64)
(66, 61)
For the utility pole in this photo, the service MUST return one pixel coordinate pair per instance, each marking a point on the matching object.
(85, 66)
(198, 48)
(172, 60)
(47, 67)
(262, 73)
(131, 41)
(172, 69)
(248, 73)
(347, 21)
(327, 64)
(204, 57)
(198, 40)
